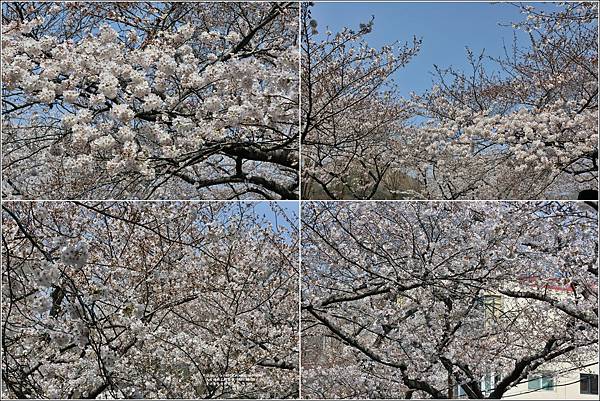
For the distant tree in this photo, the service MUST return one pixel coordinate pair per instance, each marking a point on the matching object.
(421, 298)
(142, 100)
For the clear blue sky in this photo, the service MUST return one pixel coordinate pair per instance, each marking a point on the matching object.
(290, 208)
(445, 29)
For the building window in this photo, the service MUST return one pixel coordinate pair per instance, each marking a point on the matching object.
(588, 383)
(491, 309)
(489, 382)
(493, 306)
(541, 382)
(460, 392)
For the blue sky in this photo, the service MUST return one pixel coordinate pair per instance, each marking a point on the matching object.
(445, 29)
(290, 208)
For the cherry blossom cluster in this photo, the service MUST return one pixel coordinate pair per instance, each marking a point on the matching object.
(519, 127)
(349, 110)
(179, 112)
(149, 300)
(529, 153)
(411, 294)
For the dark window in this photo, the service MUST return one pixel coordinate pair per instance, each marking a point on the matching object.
(588, 383)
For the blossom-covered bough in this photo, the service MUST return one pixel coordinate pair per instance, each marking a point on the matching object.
(528, 130)
(522, 126)
(149, 300)
(150, 100)
(412, 299)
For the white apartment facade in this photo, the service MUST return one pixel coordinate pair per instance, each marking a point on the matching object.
(567, 384)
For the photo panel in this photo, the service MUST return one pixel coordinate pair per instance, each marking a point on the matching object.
(447, 100)
(150, 100)
(150, 300)
(449, 299)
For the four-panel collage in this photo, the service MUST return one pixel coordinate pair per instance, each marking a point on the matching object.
(299, 200)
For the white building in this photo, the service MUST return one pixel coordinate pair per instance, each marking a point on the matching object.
(566, 384)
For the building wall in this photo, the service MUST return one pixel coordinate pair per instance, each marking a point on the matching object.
(559, 392)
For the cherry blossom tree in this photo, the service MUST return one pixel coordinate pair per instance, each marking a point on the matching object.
(413, 299)
(349, 109)
(523, 126)
(149, 300)
(172, 100)
(526, 130)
